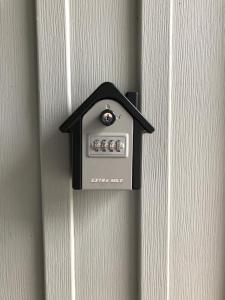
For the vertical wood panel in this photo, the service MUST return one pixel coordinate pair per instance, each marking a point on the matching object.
(154, 86)
(54, 98)
(181, 211)
(104, 48)
(21, 264)
(197, 247)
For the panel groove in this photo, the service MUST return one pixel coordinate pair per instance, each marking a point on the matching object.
(54, 105)
(169, 179)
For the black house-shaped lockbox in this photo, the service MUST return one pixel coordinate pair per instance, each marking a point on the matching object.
(73, 125)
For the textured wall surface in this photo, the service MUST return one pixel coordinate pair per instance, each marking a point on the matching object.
(165, 242)
(154, 87)
(104, 48)
(197, 146)
(21, 259)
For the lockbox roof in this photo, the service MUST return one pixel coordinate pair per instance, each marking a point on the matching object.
(106, 90)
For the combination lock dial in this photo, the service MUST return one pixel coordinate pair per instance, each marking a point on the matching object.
(110, 146)
(107, 117)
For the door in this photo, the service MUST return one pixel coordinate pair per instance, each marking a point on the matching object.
(167, 240)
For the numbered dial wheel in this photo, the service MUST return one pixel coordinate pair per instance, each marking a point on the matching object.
(107, 117)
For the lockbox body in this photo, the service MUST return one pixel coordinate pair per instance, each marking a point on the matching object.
(106, 168)
(105, 134)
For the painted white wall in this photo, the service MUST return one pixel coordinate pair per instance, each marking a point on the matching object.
(166, 242)
(197, 151)
(21, 254)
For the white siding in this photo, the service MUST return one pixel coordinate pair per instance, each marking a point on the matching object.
(55, 175)
(154, 88)
(104, 48)
(197, 146)
(165, 242)
(21, 263)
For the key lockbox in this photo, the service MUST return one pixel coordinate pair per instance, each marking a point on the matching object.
(106, 132)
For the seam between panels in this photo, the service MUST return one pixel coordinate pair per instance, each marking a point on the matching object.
(37, 75)
(69, 108)
(139, 30)
(170, 78)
